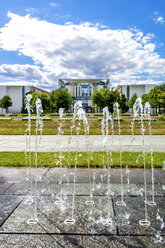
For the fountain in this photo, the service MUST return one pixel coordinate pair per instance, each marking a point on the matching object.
(138, 112)
(39, 127)
(107, 144)
(29, 199)
(105, 132)
(116, 114)
(147, 113)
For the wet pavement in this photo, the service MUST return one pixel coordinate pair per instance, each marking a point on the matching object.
(89, 229)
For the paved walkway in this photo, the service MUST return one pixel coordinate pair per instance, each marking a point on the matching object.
(51, 143)
(89, 229)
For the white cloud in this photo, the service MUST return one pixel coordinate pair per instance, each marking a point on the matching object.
(27, 74)
(79, 51)
(157, 18)
(52, 4)
(32, 11)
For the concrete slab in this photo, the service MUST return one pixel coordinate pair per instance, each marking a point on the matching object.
(98, 175)
(128, 217)
(26, 188)
(74, 241)
(16, 175)
(160, 176)
(51, 217)
(7, 205)
(50, 143)
(97, 189)
(4, 187)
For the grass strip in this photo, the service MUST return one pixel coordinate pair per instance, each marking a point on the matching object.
(98, 159)
(18, 127)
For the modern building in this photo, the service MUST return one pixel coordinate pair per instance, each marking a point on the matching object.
(139, 89)
(82, 89)
(17, 94)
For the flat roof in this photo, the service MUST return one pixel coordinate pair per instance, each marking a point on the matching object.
(97, 80)
(134, 84)
(14, 85)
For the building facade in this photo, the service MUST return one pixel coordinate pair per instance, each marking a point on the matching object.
(17, 94)
(82, 89)
(139, 89)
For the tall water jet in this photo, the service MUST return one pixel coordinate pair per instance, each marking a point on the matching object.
(116, 114)
(29, 199)
(105, 132)
(59, 200)
(138, 112)
(147, 113)
(131, 146)
(39, 127)
(81, 115)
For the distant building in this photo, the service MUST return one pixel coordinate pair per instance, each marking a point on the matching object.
(17, 94)
(82, 89)
(139, 89)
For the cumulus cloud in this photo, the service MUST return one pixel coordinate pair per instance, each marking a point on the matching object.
(32, 11)
(79, 51)
(28, 74)
(157, 18)
(52, 4)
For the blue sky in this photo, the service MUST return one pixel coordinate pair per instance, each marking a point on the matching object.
(41, 41)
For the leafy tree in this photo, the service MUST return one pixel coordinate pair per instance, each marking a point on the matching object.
(45, 99)
(154, 97)
(123, 103)
(6, 102)
(106, 97)
(161, 98)
(60, 98)
(132, 100)
(144, 98)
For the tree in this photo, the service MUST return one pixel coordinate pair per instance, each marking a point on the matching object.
(60, 98)
(132, 100)
(6, 102)
(106, 97)
(123, 103)
(154, 96)
(45, 99)
(161, 98)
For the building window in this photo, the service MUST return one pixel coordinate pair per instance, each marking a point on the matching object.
(63, 86)
(84, 90)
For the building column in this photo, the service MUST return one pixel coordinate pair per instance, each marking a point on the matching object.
(80, 91)
(88, 90)
(75, 90)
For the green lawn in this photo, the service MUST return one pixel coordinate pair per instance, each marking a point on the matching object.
(51, 127)
(98, 159)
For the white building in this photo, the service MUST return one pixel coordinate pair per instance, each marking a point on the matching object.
(17, 94)
(139, 89)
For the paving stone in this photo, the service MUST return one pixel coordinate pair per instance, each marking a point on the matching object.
(3, 179)
(51, 217)
(27, 188)
(4, 187)
(97, 189)
(7, 206)
(127, 218)
(160, 175)
(158, 190)
(78, 241)
(17, 175)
